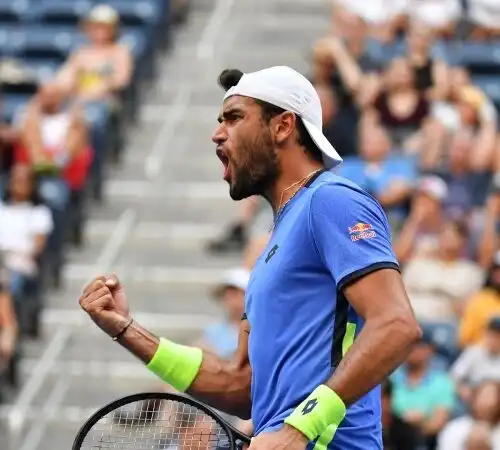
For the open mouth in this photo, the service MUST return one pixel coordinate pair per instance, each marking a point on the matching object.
(225, 162)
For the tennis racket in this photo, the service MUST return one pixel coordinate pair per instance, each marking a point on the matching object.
(154, 421)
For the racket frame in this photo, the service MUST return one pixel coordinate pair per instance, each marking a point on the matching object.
(233, 434)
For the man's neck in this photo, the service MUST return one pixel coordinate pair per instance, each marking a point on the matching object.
(292, 178)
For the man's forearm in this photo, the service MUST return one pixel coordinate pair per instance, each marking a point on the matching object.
(381, 346)
(219, 383)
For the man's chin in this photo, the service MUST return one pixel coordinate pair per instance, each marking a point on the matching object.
(237, 194)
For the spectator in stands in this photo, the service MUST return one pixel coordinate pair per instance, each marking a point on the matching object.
(383, 18)
(419, 235)
(484, 408)
(489, 245)
(9, 135)
(439, 15)
(351, 73)
(397, 434)
(483, 17)
(340, 133)
(390, 178)
(481, 308)
(431, 74)
(222, 338)
(25, 225)
(468, 109)
(424, 396)
(398, 105)
(8, 334)
(439, 284)
(479, 438)
(54, 141)
(479, 362)
(97, 73)
(458, 176)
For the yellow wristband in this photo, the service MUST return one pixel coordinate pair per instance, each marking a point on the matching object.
(321, 410)
(176, 364)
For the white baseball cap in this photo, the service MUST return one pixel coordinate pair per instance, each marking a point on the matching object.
(286, 88)
(237, 278)
(103, 14)
(434, 186)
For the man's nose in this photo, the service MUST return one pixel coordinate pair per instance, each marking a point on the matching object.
(219, 136)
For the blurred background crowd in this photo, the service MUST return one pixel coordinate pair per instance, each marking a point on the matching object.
(410, 92)
(71, 77)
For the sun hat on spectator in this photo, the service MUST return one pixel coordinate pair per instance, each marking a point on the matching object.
(103, 14)
(286, 88)
(235, 278)
(434, 187)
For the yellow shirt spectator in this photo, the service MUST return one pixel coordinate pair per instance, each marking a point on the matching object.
(481, 308)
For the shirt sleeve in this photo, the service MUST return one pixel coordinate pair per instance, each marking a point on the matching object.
(42, 220)
(460, 371)
(445, 393)
(351, 233)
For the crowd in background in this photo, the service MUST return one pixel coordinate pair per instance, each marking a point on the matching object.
(402, 85)
(57, 134)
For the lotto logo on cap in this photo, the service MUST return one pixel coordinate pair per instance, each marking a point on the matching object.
(362, 231)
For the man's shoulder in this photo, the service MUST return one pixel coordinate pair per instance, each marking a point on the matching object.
(333, 185)
(332, 189)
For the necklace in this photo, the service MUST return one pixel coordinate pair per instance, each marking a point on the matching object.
(282, 205)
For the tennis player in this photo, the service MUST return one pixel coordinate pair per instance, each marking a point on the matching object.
(326, 316)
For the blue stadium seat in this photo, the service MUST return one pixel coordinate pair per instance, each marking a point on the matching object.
(141, 13)
(41, 42)
(137, 13)
(42, 69)
(62, 12)
(490, 85)
(444, 337)
(12, 105)
(15, 12)
(478, 57)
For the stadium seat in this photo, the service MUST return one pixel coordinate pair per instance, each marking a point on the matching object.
(478, 57)
(142, 13)
(62, 12)
(137, 13)
(14, 12)
(42, 69)
(12, 105)
(41, 42)
(490, 85)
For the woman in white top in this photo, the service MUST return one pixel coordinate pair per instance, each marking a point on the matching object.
(484, 408)
(25, 224)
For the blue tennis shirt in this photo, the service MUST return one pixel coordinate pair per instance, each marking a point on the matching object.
(330, 234)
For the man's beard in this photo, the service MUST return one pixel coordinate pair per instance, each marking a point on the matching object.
(261, 170)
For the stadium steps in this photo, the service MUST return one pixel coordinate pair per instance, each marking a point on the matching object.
(162, 204)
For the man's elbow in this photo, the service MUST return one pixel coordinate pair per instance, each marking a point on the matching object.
(406, 327)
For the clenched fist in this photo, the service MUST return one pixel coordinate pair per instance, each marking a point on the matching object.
(104, 301)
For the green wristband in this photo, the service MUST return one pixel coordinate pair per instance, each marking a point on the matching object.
(322, 410)
(176, 364)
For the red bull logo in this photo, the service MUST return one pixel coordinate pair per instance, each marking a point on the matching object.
(362, 231)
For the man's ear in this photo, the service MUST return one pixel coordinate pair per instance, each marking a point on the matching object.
(283, 126)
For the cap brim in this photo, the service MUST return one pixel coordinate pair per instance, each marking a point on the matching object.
(330, 156)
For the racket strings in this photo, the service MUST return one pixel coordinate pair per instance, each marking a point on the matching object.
(155, 425)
